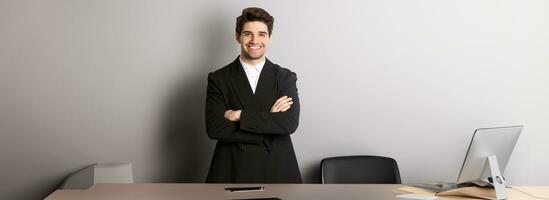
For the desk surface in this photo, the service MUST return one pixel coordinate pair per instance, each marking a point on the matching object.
(167, 191)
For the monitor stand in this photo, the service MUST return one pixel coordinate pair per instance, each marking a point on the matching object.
(497, 179)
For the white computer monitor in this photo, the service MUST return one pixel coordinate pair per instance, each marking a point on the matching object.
(486, 142)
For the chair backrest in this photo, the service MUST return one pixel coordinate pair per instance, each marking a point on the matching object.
(360, 169)
(99, 173)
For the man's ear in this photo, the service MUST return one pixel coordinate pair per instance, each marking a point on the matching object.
(237, 37)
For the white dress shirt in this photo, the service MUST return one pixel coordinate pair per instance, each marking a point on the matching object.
(253, 72)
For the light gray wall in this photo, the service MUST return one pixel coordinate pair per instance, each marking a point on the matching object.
(124, 81)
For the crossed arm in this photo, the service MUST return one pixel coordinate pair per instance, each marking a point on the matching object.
(249, 126)
(282, 104)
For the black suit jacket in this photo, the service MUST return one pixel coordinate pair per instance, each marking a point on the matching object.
(258, 148)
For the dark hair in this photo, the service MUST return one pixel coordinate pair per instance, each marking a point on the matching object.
(252, 14)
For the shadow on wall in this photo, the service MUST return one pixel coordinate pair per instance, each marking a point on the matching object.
(312, 174)
(186, 148)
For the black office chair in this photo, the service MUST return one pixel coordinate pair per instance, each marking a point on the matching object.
(360, 169)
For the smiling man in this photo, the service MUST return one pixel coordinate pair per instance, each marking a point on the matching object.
(252, 107)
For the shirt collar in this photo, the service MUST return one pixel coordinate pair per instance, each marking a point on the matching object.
(257, 67)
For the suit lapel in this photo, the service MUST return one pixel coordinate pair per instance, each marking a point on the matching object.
(242, 85)
(264, 95)
(265, 86)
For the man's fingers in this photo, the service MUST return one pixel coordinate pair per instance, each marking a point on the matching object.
(283, 103)
(227, 114)
(280, 101)
(286, 106)
(232, 115)
(277, 102)
(283, 106)
(281, 98)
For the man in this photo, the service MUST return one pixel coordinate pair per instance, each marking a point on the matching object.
(252, 107)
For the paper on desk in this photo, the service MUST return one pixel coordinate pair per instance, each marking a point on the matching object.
(415, 190)
(476, 192)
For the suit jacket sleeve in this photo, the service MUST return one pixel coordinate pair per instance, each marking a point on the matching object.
(217, 126)
(275, 123)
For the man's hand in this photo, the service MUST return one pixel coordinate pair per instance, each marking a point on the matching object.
(233, 115)
(282, 104)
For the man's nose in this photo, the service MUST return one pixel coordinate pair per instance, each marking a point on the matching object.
(253, 38)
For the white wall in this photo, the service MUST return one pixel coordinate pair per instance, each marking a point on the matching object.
(113, 81)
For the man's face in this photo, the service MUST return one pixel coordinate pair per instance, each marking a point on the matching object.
(253, 40)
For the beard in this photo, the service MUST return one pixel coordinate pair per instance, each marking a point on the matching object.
(249, 56)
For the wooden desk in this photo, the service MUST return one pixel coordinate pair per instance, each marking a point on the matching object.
(166, 191)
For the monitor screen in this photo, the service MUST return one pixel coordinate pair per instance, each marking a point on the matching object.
(499, 141)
